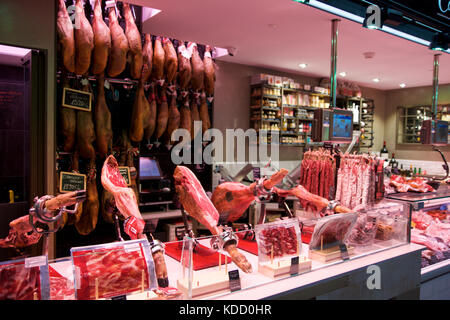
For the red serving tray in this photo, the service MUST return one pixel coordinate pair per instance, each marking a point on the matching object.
(203, 258)
(249, 246)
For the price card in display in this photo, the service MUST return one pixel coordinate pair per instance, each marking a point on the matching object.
(235, 281)
(76, 99)
(294, 266)
(125, 172)
(344, 251)
(69, 181)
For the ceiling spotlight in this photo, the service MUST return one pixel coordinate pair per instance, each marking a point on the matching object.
(376, 80)
(440, 41)
(402, 85)
(343, 74)
(302, 65)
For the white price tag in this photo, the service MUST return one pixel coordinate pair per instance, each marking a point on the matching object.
(84, 82)
(107, 85)
(35, 261)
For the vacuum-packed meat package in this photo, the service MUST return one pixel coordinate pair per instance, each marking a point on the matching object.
(364, 230)
(25, 279)
(61, 280)
(112, 269)
(278, 240)
(332, 230)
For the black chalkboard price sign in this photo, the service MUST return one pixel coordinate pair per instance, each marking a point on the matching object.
(69, 181)
(77, 99)
(125, 172)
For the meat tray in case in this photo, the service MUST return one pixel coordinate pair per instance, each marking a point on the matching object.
(25, 279)
(113, 269)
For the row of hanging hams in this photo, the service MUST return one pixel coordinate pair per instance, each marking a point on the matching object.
(107, 48)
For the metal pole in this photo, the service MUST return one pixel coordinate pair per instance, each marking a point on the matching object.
(333, 84)
(435, 86)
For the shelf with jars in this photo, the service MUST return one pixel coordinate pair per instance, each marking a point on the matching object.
(293, 104)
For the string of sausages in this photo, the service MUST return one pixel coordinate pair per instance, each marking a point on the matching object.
(356, 180)
(317, 173)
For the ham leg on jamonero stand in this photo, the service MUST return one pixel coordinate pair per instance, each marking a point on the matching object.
(124, 197)
(232, 198)
(316, 201)
(125, 200)
(199, 206)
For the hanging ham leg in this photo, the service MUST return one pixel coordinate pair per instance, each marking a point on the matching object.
(67, 124)
(184, 66)
(134, 41)
(73, 218)
(102, 41)
(204, 113)
(185, 115)
(232, 198)
(84, 40)
(89, 217)
(197, 204)
(198, 69)
(124, 197)
(102, 118)
(150, 119)
(170, 60)
(147, 53)
(158, 62)
(195, 116)
(163, 114)
(119, 46)
(85, 130)
(174, 117)
(210, 76)
(66, 38)
(138, 115)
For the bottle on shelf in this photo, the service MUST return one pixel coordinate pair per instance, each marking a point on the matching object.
(393, 163)
(384, 153)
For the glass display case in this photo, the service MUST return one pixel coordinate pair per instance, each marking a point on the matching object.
(430, 225)
(214, 267)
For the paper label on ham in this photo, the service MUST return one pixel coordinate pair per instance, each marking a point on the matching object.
(131, 227)
(207, 54)
(185, 52)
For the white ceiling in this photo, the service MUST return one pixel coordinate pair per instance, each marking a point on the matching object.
(299, 34)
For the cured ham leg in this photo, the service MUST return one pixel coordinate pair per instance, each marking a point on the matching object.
(158, 62)
(210, 76)
(204, 114)
(66, 38)
(232, 198)
(102, 118)
(89, 217)
(138, 115)
(102, 41)
(163, 114)
(134, 42)
(198, 69)
(124, 197)
(85, 130)
(185, 115)
(170, 61)
(316, 201)
(73, 218)
(147, 54)
(67, 124)
(150, 119)
(84, 40)
(197, 205)
(195, 116)
(119, 46)
(174, 118)
(184, 66)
